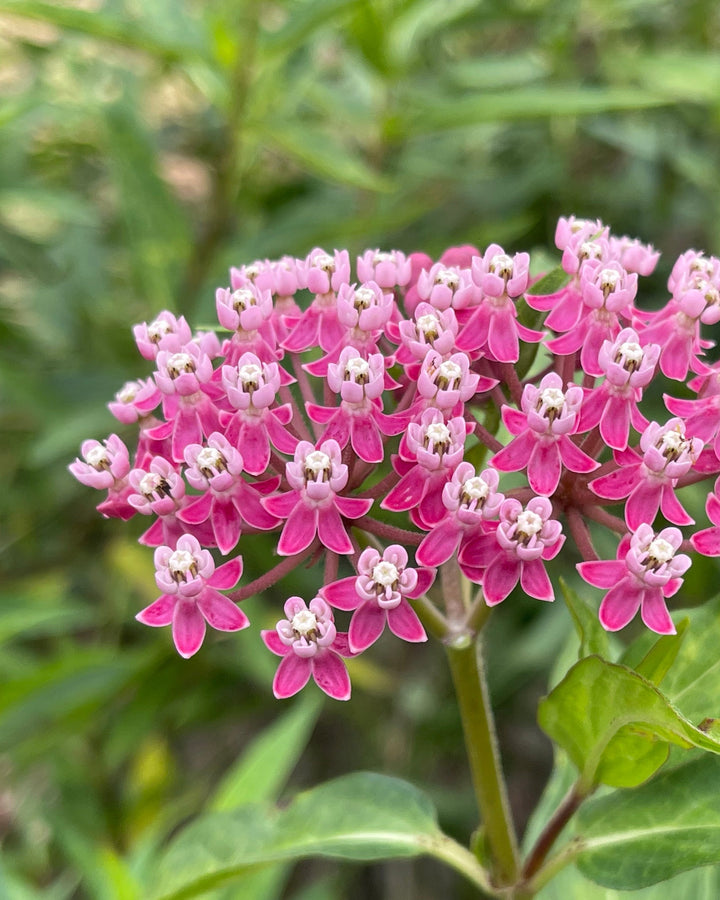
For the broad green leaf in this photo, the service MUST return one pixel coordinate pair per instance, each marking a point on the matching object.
(593, 637)
(550, 283)
(615, 725)
(263, 768)
(640, 837)
(363, 816)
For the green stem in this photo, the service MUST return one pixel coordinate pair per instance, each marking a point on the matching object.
(468, 674)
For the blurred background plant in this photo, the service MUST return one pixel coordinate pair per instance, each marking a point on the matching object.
(146, 147)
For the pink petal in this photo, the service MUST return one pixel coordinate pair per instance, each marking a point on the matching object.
(353, 507)
(281, 505)
(425, 578)
(602, 573)
(440, 544)
(643, 504)
(615, 423)
(573, 457)
(280, 436)
(221, 612)
(404, 623)
(342, 594)
(617, 484)
(515, 456)
(535, 582)
(544, 467)
(365, 439)
(366, 626)
(292, 675)
(158, 613)
(227, 575)
(502, 337)
(253, 444)
(331, 531)
(226, 525)
(299, 531)
(514, 420)
(655, 614)
(620, 605)
(407, 492)
(712, 508)
(672, 508)
(707, 541)
(186, 430)
(331, 675)
(197, 511)
(500, 578)
(272, 641)
(188, 628)
(247, 502)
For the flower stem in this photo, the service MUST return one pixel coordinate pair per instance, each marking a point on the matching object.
(551, 832)
(468, 674)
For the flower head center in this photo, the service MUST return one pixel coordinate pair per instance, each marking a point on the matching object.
(550, 403)
(385, 574)
(501, 264)
(157, 330)
(250, 375)
(179, 363)
(317, 466)
(357, 369)
(128, 392)
(608, 281)
(448, 278)
(630, 355)
(211, 461)
(97, 458)
(180, 563)
(305, 625)
(590, 250)
(672, 445)
(449, 375)
(437, 437)
(324, 262)
(428, 325)
(659, 553)
(154, 487)
(242, 298)
(474, 490)
(381, 257)
(529, 524)
(363, 298)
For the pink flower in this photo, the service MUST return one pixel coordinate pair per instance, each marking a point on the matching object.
(359, 418)
(321, 273)
(542, 429)
(313, 506)
(228, 500)
(379, 596)
(707, 541)
(251, 388)
(135, 400)
(188, 579)
(432, 329)
(649, 481)
(165, 333)
(523, 538)
(442, 287)
(634, 256)
(105, 466)
(470, 501)
(449, 384)
(160, 492)
(647, 570)
(628, 368)
(310, 645)
(430, 452)
(247, 312)
(387, 269)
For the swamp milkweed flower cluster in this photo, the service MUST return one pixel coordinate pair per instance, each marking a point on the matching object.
(364, 415)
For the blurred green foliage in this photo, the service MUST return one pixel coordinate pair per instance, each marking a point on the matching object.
(144, 148)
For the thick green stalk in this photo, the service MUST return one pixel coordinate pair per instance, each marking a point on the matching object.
(468, 673)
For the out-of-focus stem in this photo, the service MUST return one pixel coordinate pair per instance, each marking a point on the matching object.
(389, 532)
(581, 534)
(275, 574)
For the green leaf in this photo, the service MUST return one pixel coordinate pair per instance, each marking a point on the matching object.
(550, 283)
(444, 113)
(615, 725)
(593, 637)
(363, 816)
(263, 769)
(322, 155)
(657, 661)
(658, 830)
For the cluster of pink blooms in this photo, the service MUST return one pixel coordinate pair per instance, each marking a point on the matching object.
(350, 425)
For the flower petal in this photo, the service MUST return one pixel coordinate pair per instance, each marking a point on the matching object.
(342, 594)
(160, 612)
(620, 605)
(299, 531)
(331, 675)
(292, 675)
(220, 611)
(404, 623)
(188, 628)
(366, 626)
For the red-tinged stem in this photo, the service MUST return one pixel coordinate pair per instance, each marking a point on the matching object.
(389, 532)
(273, 575)
(581, 534)
(382, 487)
(694, 478)
(510, 377)
(332, 563)
(605, 518)
(305, 388)
(566, 367)
(298, 425)
(593, 444)
(550, 833)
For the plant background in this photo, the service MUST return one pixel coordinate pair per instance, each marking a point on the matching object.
(144, 148)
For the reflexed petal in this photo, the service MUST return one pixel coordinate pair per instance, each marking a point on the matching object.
(573, 457)
(331, 675)
(535, 582)
(707, 541)
(603, 573)
(331, 531)
(500, 578)
(188, 628)
(221, 612)
(643, 504)
(655, 614)
(515, 456)
(226, 525)
(544, 467)
(281, 505)
(353, 507)
(365, 439)
(292, 675)
(342, 594)
(615, 423)
(299, 531)
(272, 641)
(158, 613)
(617, 484)
(620, 605)
(672, 508)
(440, 544)
(366, 626)
(227, 575)
(425, 578)
(404, 623)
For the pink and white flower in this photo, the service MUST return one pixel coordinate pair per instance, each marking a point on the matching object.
(648, 569)
(389, 270)
(189, 581)
(309, 645)
(379, 595)
(106, 466)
